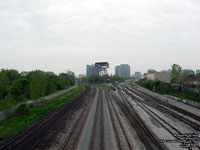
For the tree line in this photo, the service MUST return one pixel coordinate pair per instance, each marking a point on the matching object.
(32, 85)
(176, 72)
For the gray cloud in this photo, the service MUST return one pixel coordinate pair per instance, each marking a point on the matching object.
(58, 34)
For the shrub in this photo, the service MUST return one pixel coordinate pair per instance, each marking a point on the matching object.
(22, 109)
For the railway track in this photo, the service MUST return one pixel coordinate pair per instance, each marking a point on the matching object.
(171, 129)
(97, 136)
(74, 125)
(120, 133)
(161, 121)
(45, 141)
(163, 103)
(163, 109)
(28, 138)
(146, 136)
(73, 137)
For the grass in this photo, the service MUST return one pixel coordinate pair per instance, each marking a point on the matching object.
(183, 95)
(133, 85)
(169, 91)
(13, 125)
(106, 86)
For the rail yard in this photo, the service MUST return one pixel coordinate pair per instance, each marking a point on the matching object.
(99, 118)
(99, 75)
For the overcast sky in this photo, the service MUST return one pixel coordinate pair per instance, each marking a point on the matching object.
(60, 35)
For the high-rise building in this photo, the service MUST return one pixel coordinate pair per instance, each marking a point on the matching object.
(117, 70)
(138, 75)
(123, 70)
(91, 70)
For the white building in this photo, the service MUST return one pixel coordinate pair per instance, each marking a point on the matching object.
(159, 76)
(123, 70)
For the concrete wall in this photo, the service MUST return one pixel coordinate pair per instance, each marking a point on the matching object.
(160, 76)
(164, 77)
(151, 76)
(189, 102)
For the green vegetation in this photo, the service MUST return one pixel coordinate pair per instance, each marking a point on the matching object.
(95, 79)
(26, 115)
(133, 84)
(164, 88)
(16, 88)
(186, 76)
(103, 81)
(107, 86)
(176, 69)
(23, 109)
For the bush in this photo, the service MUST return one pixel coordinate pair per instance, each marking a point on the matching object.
(22, 109)
(165, 88)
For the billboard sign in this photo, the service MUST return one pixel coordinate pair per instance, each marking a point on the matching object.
(102, 64)
(80, 75)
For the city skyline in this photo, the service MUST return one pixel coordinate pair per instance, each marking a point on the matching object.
(111, 70)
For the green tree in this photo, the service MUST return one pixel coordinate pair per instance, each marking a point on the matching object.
(38, 83)
(64, 77)
(51, 83)
(25, 85)
(60, 84)
(7, 78)
(67, 79)
(72, 79)
(20, 89)
(176, 69)
(13, 75)
(186, 76)
(16, 90)
(4, 83)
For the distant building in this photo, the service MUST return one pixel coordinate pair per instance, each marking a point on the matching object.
(190, 72)
(91, 70)
(144, 76)
(192, 84)
(123, 70)
(151, 71)
(159, 76)
(117, 70)
(194, 80)
(138, 75)
(166, 71)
